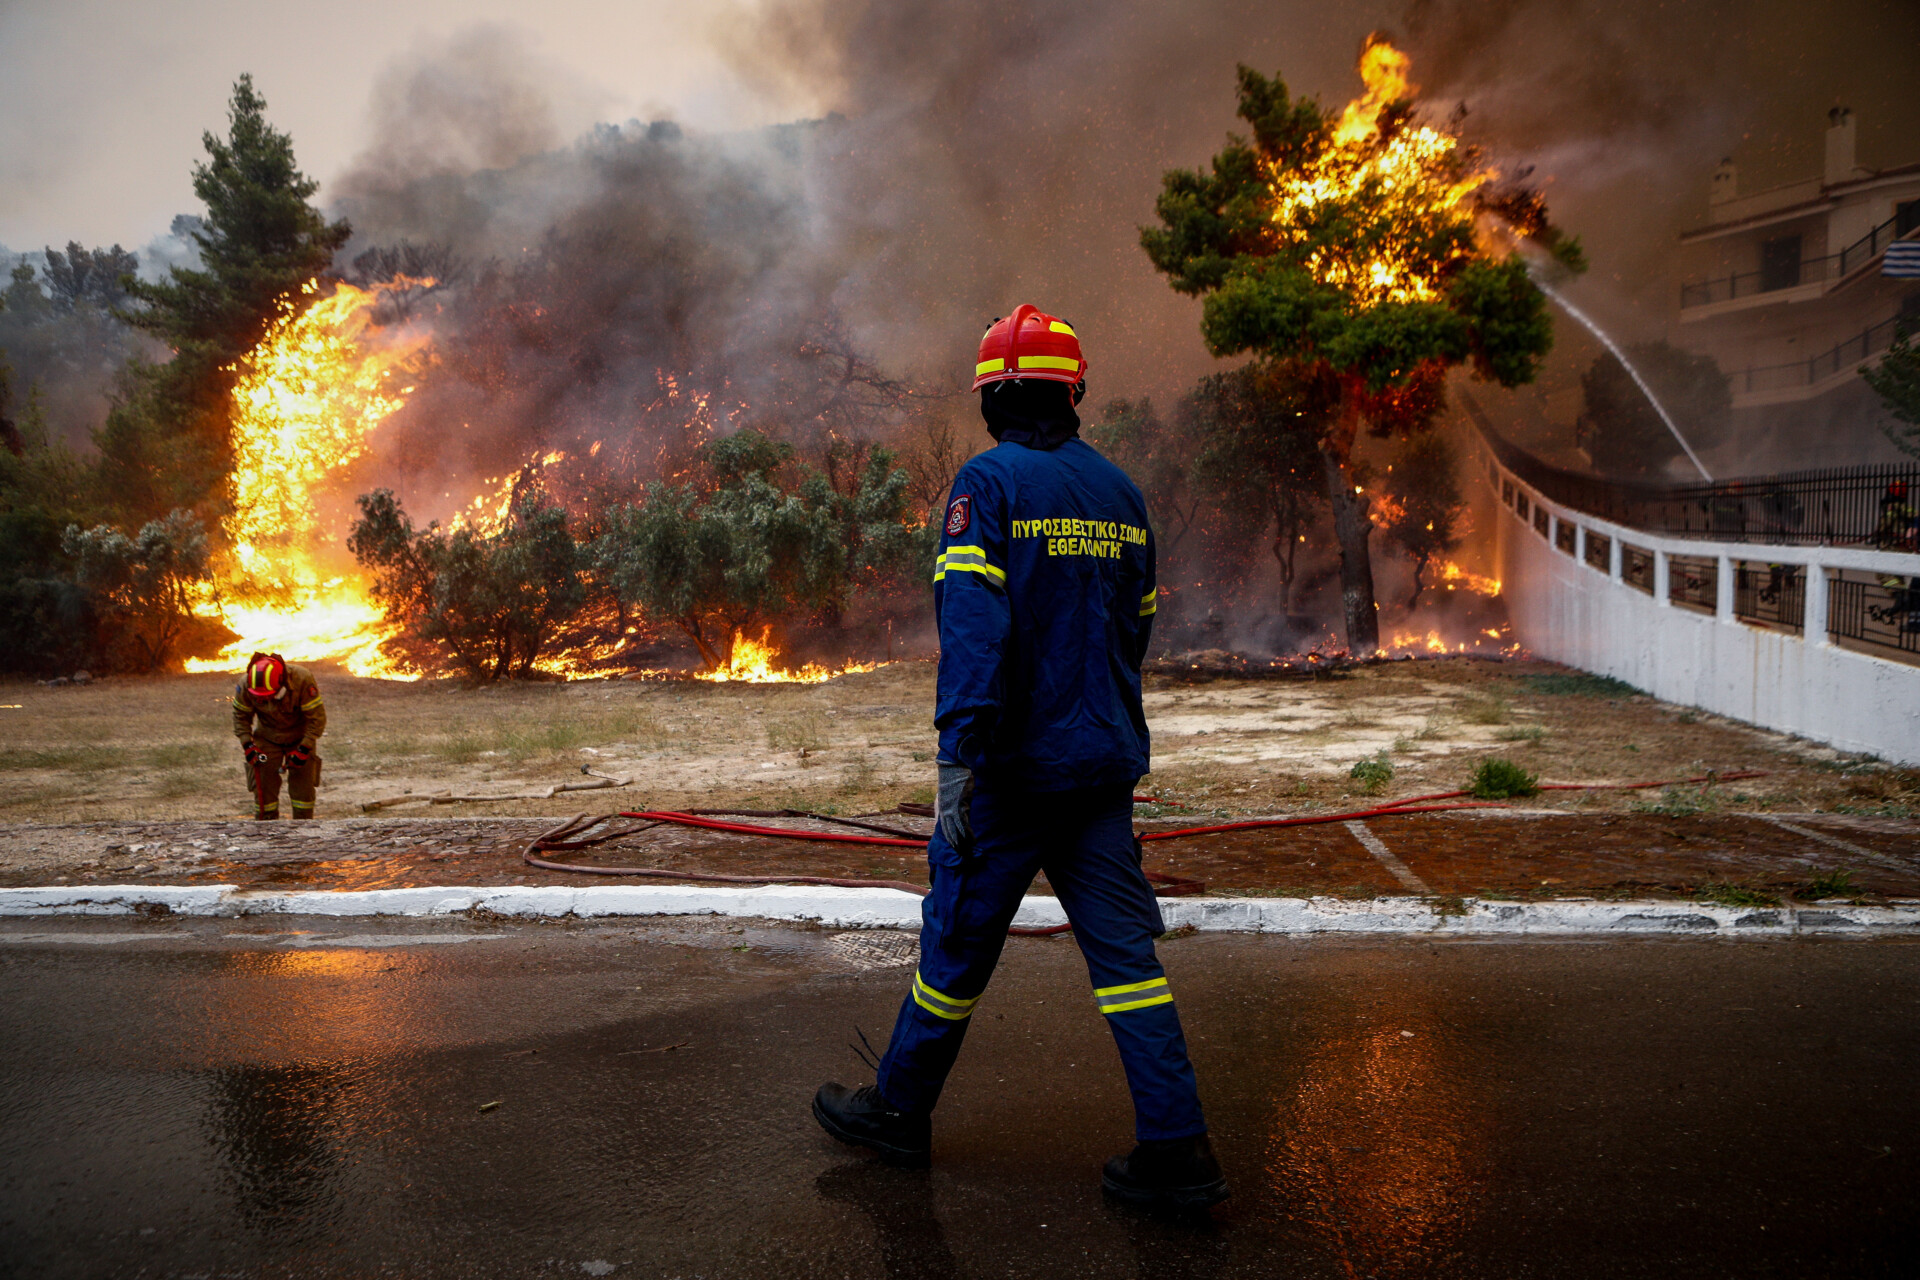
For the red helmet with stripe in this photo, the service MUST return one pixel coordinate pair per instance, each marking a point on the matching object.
(266, 675)
(1029, 344)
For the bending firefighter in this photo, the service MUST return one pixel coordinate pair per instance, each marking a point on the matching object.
(279, 717)
(1044, 591)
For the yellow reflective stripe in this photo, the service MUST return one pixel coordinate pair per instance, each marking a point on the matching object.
(940, 1005)
(242, 706)
(995, 365)
(303, 804)
(1061, 326)
(1050, 362)
(998, 575)
(308, 706)
(1149, 602)
(1133, 995)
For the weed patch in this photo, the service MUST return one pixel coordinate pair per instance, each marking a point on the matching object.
(1372, 774)
(1735, 895)
(1499, 779)
(1679, 802)
(1576, 684)
(1490, 710)
(1527, 733)
(1837, 883)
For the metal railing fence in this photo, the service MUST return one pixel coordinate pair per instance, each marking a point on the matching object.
(1841, 506)
(1879, 615)
(1775, 594)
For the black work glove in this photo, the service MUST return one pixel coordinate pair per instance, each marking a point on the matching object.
(298, 756)
(953, 803)
(256, 756)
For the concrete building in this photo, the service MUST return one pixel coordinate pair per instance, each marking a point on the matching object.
(1785, 290)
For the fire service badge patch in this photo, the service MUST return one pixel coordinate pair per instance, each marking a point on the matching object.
(959, 515)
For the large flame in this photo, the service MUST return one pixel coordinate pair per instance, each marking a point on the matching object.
(1415, 169)
(308, 397)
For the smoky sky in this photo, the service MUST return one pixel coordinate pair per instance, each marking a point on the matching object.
(947, 161)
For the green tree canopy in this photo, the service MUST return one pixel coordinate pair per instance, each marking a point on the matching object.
(142, 589)
(485, 606)
(1354, 250)
(1622, 431)
(742, 548)
(167, 442)
(1897, 379)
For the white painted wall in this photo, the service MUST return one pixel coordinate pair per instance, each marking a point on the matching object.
(1568, 611)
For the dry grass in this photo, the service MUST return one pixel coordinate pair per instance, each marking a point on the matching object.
(161, 748)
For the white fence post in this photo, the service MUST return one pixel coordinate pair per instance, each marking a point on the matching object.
(1661, 572)
(1614, 559)
(1723, 590)
(1813, 625)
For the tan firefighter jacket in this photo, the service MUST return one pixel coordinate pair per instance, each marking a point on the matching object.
(299, 717)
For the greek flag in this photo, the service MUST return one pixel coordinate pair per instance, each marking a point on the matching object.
(1903, 260)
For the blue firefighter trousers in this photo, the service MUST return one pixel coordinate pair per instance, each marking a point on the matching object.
(1084, 841)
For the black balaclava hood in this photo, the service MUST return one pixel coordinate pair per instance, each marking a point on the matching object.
(1034, 412)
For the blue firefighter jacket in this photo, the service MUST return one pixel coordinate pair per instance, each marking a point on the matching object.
(1044, 591)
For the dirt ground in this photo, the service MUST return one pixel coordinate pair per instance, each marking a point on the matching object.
(142, 778)
(141, 749)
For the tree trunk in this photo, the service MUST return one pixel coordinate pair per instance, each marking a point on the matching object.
(1283, 555)
(1420, 562)
(1351, 529)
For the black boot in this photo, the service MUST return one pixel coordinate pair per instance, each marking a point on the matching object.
(861, 1118)
(1176, 1172)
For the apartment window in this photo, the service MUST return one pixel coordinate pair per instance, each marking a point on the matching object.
(1779, 263)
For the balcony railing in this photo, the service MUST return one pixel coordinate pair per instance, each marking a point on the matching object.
(1805, 373)
(1822, 270)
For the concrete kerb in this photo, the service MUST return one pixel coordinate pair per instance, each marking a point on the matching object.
(894, 909)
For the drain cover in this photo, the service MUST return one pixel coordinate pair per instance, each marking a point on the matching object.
(876, 949)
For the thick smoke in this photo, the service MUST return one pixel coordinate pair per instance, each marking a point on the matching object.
(638, 286)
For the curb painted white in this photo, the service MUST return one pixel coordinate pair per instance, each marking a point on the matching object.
(895, 909)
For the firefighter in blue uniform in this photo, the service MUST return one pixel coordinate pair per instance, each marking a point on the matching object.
(1045, 596)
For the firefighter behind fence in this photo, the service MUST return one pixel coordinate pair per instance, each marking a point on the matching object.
(279, 717)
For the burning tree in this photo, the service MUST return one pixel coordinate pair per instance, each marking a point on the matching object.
(1357, 254)
(485, 605)
(718, 560)
(168, 442)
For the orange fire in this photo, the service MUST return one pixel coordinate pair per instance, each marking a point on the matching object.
(1452, 576)
(1415, 169)
(319, 383)
(758, 662)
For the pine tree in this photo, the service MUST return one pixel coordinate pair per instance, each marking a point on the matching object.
(1349, 258)
(166, 443)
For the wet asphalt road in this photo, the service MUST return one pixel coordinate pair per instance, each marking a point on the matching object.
(191, 1103)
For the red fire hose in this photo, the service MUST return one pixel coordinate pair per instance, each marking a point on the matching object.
(572, 834)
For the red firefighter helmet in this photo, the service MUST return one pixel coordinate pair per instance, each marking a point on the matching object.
(1029, 344)
(266, 675)
(1898, 490)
